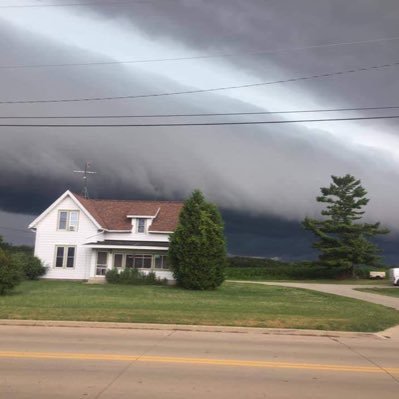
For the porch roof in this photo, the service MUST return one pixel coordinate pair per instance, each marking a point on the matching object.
(129, 244)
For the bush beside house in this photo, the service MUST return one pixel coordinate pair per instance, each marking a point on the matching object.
(133, 277)
(31, 266)
(17, 263)
(10, 276)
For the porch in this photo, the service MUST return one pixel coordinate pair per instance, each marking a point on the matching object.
(145, 257)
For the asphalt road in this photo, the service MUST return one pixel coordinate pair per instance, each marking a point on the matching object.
(59, 362)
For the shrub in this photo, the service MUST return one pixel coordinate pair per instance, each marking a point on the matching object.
(31, 266)
(10, 275)
(150, 278)
(197, 251)
(133, 277)
(112, 276)
(129, 276)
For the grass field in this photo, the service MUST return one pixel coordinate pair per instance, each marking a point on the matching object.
(393, 291)
(231, 305)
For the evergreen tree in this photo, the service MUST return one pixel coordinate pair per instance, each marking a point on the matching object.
(197, 251)
(342, 239)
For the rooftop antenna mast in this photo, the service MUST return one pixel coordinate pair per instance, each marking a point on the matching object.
(86, 172)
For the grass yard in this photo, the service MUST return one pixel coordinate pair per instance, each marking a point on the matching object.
(230, 305)
(393, 291)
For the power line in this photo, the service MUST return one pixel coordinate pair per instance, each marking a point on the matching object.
(102, 3)
(204, 56)
(204, 114)
(130, 97)
(202, 123)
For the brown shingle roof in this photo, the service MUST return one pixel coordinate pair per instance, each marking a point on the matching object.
(112, 214)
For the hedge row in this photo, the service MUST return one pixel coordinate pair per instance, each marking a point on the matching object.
(240, 268)
(133, 277)
(292, 272)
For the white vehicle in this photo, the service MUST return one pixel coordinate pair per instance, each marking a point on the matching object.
(377, 275)
(394, 275)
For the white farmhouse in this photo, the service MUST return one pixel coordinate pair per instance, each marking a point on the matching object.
(80, 239)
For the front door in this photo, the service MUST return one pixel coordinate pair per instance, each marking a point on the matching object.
(102, 262)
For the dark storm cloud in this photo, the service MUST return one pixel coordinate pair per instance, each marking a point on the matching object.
(242, 27)
(266, 236)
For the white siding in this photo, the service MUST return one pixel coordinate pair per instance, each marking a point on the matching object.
(48, 237)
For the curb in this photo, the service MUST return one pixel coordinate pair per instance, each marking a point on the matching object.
(191, 328)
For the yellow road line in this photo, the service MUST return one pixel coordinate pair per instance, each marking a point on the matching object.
(195, 361)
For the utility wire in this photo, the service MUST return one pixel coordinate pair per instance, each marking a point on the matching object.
(202, 123)
(204, 56)
(130, 97)
(102, 3)
(311, 111)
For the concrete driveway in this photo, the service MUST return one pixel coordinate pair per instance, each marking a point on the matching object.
(338, 289)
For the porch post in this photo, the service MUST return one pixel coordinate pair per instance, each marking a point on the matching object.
(109, 259)
(93, 259)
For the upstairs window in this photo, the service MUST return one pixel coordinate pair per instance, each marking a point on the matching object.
(140, 225)
(68, 220)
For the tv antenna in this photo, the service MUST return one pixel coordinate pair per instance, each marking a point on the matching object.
(86, 172)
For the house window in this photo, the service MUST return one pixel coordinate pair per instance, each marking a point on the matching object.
(118, 260)
(59, 261)
(161, 262)
(68, 220)
(139, 261)
(101, 267)
(129, 261)
(65, 257)
(140, 225)
(142, 261)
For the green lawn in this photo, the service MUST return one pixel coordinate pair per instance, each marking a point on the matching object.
(231, 305)
(393, 291)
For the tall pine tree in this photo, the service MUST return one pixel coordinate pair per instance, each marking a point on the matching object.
(343, 240)
(197, 251)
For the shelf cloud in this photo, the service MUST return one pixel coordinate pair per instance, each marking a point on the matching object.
(269, 173)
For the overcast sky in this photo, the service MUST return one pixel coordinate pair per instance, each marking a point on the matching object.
(264, 177)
